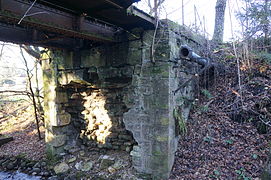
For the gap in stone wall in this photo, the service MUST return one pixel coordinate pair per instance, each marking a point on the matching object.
(97, 116)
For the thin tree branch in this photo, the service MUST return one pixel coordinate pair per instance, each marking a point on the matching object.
(1, 52)
(32, 92)
(25, 14)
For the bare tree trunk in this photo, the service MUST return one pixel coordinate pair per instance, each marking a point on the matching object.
(219, 21)
(182, 13)
(266, 24)
(40, 108)
(155, 9)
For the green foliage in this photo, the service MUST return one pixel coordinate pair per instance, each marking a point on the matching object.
(228, 57)
(215, 174)
(207, 93)
(254, 156)
(264, 56)
(255, 17)
(242, 174)
(229, 141)
(204, 108)
(51, 158)
(21, 155)
(80, 175)
(182, 123)
(208, 139)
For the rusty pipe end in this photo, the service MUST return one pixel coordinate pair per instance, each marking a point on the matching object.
(185, 52)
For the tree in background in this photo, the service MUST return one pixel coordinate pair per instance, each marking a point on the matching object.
(255, 20)
(153, 6)
(219, 21)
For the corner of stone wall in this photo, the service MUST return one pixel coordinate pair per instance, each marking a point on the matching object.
(151, 116)
(57, 121)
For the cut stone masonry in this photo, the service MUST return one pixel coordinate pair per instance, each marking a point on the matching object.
(117, 98)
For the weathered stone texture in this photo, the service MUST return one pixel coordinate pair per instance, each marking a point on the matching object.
(117, 98)
(154, 126)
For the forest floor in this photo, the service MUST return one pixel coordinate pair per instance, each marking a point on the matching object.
(17, 120)
(229, 127)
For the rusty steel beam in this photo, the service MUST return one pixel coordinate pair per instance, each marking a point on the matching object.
(52, 20)
(19, 35)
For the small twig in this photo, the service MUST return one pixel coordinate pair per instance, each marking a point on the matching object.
(193, 77)
(36, 13)
(153, 42)
(237, 59)
(17, 92)
(2, 49)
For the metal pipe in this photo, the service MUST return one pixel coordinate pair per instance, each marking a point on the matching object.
(187, 53)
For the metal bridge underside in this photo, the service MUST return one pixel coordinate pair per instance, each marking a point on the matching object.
(68, 24)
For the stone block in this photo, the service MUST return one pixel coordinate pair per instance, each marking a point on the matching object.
(162, 52)
(64, 60)
(134, 53)
(137, 161)
(94, 57)
(63, 119)
(127, 71)
(137, 69)
(145, 146)
(61, 168)
(137, 135)
(125, 137)
(161, 70)
(160, 165)
(66, 77)
(155, 102)
(147, 132)
(118, 54)
(56, 140)
(61, 97)
(147, 89)
(160, 148)
(161, 133)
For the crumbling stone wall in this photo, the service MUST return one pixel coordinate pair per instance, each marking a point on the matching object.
(121, 96)
(155, 127)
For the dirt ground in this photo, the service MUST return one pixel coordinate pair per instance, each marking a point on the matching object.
(17, 120)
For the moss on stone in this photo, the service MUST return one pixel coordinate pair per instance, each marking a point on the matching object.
(179, 117)
(164, 121)
(162, 138)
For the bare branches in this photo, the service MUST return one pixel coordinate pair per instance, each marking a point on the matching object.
(32, 92)
(32, 14)
(25, 14)
(154, 7)
(201, 72)
(32, 51)
(237, 60)
(16, 92)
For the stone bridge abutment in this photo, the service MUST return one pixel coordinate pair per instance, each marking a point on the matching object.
(115, 97)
